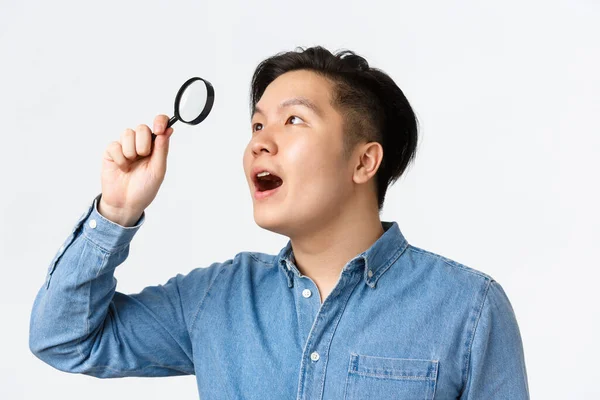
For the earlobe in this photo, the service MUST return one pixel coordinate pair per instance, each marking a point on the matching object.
(369, 161)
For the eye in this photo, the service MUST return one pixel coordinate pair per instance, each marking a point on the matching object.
(295, 116)
(254, 126)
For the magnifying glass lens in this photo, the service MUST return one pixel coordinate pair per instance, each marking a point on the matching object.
(193, 100)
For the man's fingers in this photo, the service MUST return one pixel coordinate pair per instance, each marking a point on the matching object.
(128, 144)
(139, 143)
(160, 123)
(143, 141)
(114, 151)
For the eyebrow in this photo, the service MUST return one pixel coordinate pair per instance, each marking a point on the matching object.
(296, 101)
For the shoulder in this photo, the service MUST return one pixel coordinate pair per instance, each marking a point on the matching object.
(452, 278)
(243, 268)
(448, 275)
(446, 265)
(445, 276)
(241, 264)
(256, 259)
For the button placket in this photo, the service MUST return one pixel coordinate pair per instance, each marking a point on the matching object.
(320, 338)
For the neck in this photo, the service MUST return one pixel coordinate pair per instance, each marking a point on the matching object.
(322, 254)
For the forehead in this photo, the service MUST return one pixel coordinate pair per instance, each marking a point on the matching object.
(300, 84)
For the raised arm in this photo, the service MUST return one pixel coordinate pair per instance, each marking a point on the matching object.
(79, 322)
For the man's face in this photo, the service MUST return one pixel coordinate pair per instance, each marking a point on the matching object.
(303, 146)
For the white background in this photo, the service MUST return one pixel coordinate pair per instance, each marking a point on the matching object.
(505, 179)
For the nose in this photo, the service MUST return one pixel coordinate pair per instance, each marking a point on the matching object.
(263, 142)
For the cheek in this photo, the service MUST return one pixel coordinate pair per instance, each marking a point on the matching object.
(309, 154)
(246, 162)
(247, 157)
(306, 161)
(296, 151)
(317, 169)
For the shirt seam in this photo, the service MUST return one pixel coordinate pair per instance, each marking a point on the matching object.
(198, 309)
(475, 326)
(452, 263)
(113, 251)
(173, 367)
(89, 300)
(391, 261)
(187, 328)
(269, 264)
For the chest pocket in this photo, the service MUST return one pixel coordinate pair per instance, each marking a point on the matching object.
(385, 378)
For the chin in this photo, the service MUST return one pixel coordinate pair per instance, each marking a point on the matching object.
(270, 221)
(269, 214)
(288, 224)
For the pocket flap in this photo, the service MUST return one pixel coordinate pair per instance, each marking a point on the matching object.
(393, 368)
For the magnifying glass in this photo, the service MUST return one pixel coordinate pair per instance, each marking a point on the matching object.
(193, 102)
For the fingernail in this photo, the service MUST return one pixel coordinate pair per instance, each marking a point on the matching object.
(160, 128)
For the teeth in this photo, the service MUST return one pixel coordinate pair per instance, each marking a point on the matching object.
(264, 173)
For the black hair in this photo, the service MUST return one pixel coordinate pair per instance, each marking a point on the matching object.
(373, 107)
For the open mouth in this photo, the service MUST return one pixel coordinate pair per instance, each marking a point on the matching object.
(267, 181)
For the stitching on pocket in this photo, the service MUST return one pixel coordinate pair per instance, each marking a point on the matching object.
(393, 368)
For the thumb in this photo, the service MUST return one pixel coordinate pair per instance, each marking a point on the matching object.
(161, 150)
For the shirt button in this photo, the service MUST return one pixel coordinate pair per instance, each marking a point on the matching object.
(92, 223)
(314, 356)
(370, 273)
(307, 293)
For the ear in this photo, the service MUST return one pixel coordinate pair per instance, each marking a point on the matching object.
(370, 156)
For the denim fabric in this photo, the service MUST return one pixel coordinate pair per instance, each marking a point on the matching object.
(401, 323)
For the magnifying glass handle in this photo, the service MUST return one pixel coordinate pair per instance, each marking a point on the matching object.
(171, 122)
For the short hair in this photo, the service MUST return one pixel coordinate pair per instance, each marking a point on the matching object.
(373, 107)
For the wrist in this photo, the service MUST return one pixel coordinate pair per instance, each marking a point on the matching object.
(125, 218)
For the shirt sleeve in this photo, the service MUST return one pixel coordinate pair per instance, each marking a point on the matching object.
(496, 368)
(80, 324)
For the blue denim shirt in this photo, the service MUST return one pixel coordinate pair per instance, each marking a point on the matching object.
(401, 323)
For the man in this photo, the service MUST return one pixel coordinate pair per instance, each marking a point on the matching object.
(348, 309)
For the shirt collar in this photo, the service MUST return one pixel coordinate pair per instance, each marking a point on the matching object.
(374, 261)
